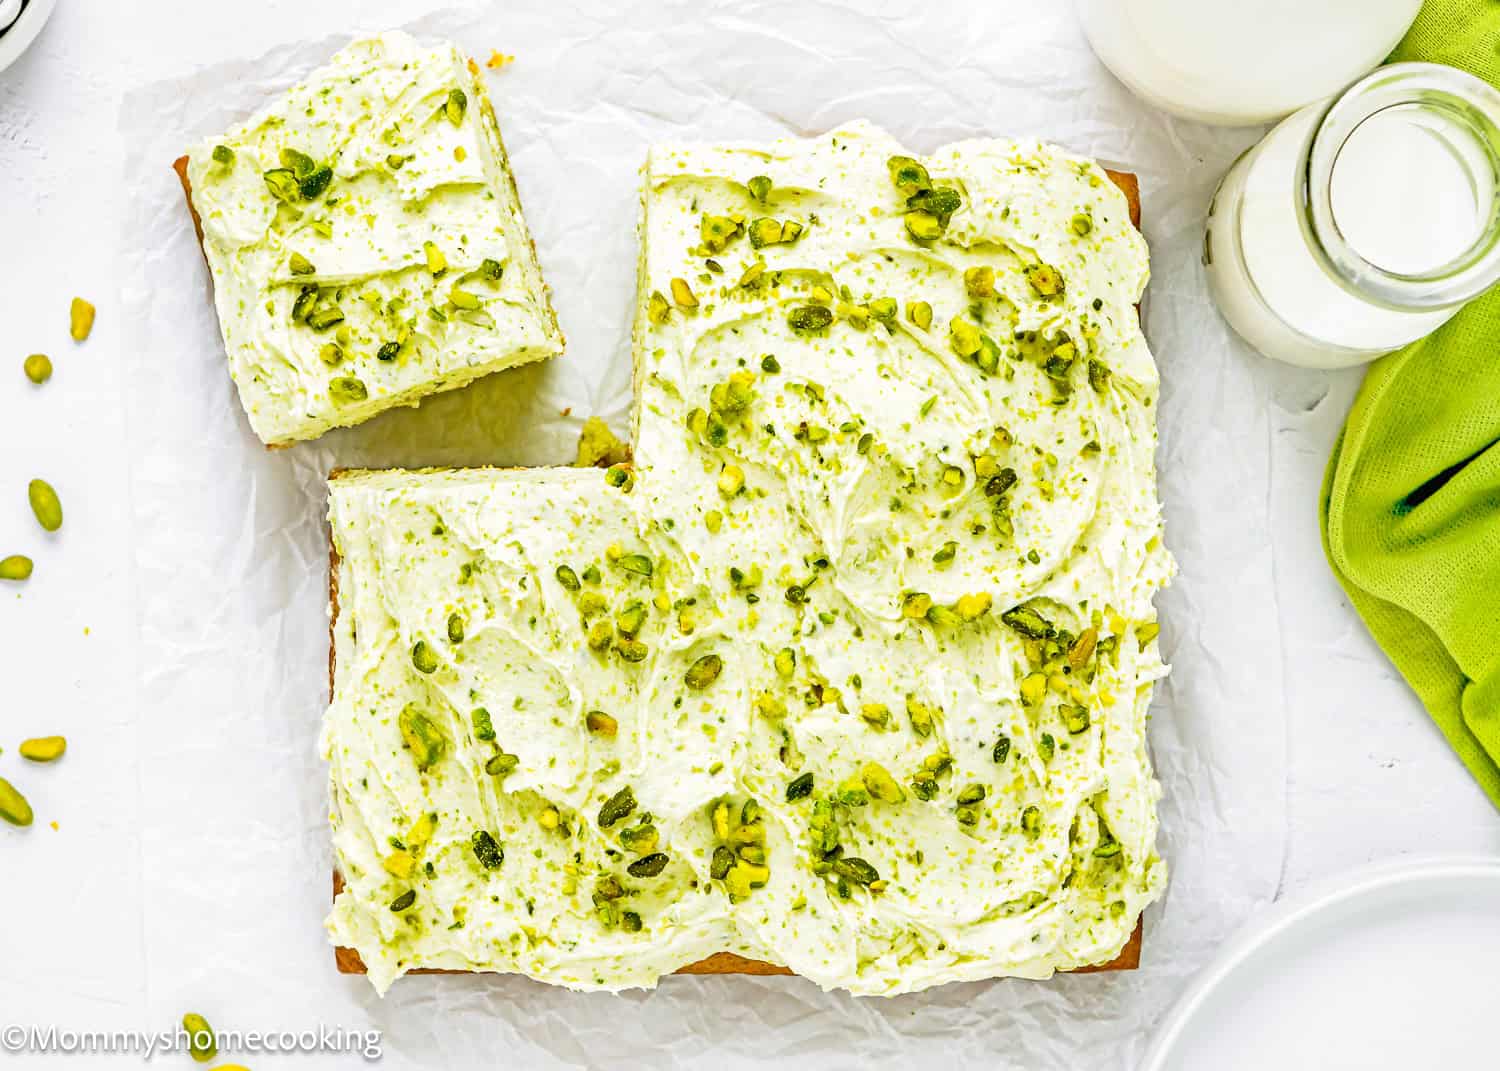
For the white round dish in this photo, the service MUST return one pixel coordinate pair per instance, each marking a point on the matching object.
(17, 39)
(1390, 967)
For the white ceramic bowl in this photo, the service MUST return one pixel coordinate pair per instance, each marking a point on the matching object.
(17, 39)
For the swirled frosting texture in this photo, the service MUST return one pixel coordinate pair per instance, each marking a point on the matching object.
(366, 242)
(852, 673)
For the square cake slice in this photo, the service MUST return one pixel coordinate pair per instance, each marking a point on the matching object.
(366, 244)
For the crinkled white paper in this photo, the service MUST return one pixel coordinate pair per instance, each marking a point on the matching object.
(230, 549)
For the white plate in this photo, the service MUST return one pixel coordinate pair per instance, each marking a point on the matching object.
(23, 31)
(1393, 967)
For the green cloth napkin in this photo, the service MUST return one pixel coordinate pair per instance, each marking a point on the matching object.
(1411, 499)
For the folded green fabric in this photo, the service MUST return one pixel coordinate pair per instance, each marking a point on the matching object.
(1411, 499)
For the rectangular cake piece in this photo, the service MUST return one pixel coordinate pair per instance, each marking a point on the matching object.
(366, 243)
(849, 672)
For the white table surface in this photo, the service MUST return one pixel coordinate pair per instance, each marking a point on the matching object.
(1369, 778)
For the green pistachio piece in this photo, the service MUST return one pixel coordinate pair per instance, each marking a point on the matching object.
(456, 105)
(1046, 280)
(15, 567)
(346, 390)
(1075, 718)
(223, 155)
(649, 866)
(632, 650)
(972, 793)
(426, 741)
(1098, 376)
(424, 657)
(619, 476)
(484, 728)
(800, 787)
(314, 185)
(940, 202)
(856, 869)
(462, 299)
(786, 662)
(202, 1043)
(618, 806)
(1031, 821)
(716, 232)
(80, 319)
(920, 314)
(1028, 623)
(44, 748)
(38, 368)
(282, 183)
(907, 175)
(682, 293)
(1081, 225)
(45, 504)
(764, 231)
(880, 784)
(1107, 850)
(324, 316)
(923, 226)
(600, 723)
(1046, 747)
(637, 563)
(567, 578)
(13, 806)
(658, 311)
(491, 269)
(1147, 632)
(809, 318)
(883, 309)
(455, 628)
(703, 672)
(628, 621)
(487, 850)
(721, 863)
(404, 901)
(502, 765)
(1002, 749)
(759, 187)
(980, 281)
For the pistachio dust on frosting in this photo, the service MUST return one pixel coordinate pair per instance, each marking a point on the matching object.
(366, 242)
(850, 671)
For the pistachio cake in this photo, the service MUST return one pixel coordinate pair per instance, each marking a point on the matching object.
(366, 243)
(849, 671)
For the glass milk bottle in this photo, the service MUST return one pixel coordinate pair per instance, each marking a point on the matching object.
(1361, 224)
(1241, 61)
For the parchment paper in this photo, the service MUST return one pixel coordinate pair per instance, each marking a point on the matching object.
(229, 546)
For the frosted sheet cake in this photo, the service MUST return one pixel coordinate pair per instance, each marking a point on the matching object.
(366, 242)
(850, 671)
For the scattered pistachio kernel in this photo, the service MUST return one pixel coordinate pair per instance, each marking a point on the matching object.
(649, 866)
(923, 226)
(658, 311)
(920, 314)
(1046, 747)
(980, 281)
(759, 187)
(683, 294)
(1046, 280)
(484, 726)
(1002, 749)
(731, 480)
(422, 736)
(923, 717)
(639, 564)
(856, 869)
(424, 657)
(880, 784)
(786, 662)
(222, 155)
(455, 628)
(1028, 622)
(297, 264)
(1147, 632)
(1075, 718)
(437, 261)
(618, 806)
(600, 723)
(38, 368)
(202, 1045)
(44, 748)
(632, 650)
(703, 672)
(964, 337)
(973, 606)
(13, 806)
(908, 175)
(713, 520)
(45, 504)
(567, 578)
(800, 787)
(1081, 224)
(456, 105)
(487, 850)
(15, 567)
(404, 901)
(619, 476)
(1033, 689)
(809, 318)
(1031, 821)
(945, 554)
(502, 765)
(80, 319)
